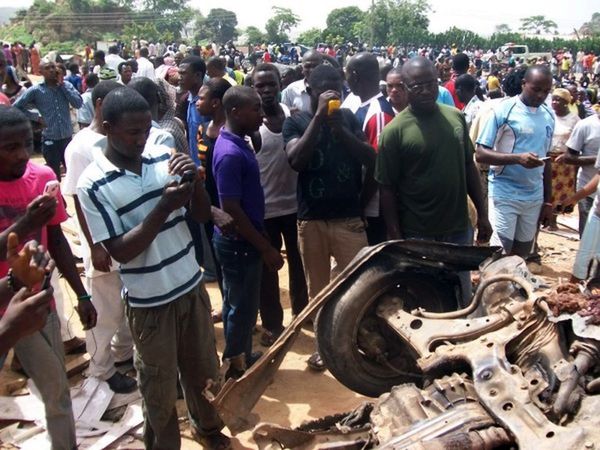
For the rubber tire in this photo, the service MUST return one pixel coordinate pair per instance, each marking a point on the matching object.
(338, 321)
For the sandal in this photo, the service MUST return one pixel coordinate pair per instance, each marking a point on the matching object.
(316, 363)
(213, 441)
(268, 338)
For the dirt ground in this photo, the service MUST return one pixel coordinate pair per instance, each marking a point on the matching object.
(298, 394)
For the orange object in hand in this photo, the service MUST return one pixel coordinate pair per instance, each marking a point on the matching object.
(333, 105)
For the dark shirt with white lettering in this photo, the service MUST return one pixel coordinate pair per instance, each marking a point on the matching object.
(329, 186)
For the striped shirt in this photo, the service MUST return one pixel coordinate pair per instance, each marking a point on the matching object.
(53, 104)
(374, 115)
(115, 201)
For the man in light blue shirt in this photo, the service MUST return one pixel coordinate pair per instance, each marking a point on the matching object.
(445, 97)
(514, 141)
(52, 99)
(191, 77)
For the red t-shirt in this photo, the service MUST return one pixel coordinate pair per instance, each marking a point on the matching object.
(4, 100)
(450, 86)
(16, 195)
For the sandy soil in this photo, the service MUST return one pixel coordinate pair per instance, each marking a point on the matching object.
(297, 394)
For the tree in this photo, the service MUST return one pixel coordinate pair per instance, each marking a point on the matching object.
(538, 24)
(311, 37)
(591, 28)
(254, 35)
(220, 25)
(200, 30)
(343, 22)
(396, 21)
(280, 24)
(462, 38)
(167, 16)
(502, 28)
(409, 22)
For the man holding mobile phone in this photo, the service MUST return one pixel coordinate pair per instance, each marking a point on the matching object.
(515, 141)
(135, 206)
(25, 209)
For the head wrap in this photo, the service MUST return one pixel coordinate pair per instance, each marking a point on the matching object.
(170, 72)
(107, 73)
(562, 93)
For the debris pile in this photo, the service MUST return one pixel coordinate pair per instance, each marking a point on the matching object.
(570, 299)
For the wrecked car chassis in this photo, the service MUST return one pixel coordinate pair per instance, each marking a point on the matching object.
(496, 373)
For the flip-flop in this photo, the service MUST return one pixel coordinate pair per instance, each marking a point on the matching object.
(316, 363)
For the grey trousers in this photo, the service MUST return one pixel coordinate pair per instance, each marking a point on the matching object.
(42, 356)
(171, 341)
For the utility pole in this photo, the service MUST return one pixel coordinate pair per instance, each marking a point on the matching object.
(372, 23)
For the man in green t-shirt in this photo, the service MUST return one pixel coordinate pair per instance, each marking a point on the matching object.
(425, 168)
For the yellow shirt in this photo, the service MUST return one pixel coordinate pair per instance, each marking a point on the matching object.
(493, 83)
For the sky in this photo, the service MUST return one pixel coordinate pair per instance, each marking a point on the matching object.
(474, 15)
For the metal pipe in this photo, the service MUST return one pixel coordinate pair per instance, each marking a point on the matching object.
(476, 298)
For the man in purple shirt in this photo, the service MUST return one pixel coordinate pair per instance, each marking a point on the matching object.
(242, 254)
(7, 54)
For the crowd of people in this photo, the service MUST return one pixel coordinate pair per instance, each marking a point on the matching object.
(188, 167)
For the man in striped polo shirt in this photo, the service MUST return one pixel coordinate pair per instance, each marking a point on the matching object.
(373, 112)
(134, 197)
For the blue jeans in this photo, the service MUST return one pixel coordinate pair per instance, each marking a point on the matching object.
(589, 247)
(459, 238)
(241, 265)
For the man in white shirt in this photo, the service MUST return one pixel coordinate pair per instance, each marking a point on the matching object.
(582, 149)
(295, 95)
(113, 59)
(145, 67)
(110, 340)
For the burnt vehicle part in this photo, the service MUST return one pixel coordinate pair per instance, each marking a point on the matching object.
(523, 388)
(391, 261)
(524, 376)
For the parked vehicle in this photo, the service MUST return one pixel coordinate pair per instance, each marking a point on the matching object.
(522, 52)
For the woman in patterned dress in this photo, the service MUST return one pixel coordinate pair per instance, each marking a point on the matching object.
(563, 175)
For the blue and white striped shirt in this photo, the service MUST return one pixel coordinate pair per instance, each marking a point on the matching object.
(53, 105)
(115, 201)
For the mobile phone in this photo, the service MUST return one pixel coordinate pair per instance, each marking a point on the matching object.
(51, 188)
(188, 175)
(545, 158)
(333, 105)
(46, 281)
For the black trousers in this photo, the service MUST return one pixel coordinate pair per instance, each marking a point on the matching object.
(282, 229)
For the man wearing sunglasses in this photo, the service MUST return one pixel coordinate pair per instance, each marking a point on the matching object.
(425, 168)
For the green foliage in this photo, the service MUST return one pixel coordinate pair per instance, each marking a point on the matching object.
(311, 37)
(538, 24)
(254, 36)
(400, 21)
(342, 24)
(65, 48)
(462, 38)
(280, 24)
(16, 32)
(63, 24)
(220, 25)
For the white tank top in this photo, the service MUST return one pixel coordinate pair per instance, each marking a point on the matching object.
(278, 179)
